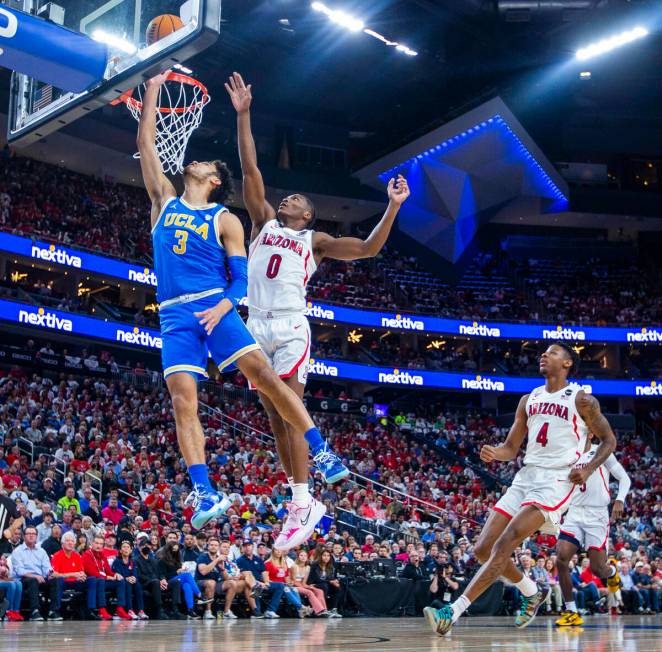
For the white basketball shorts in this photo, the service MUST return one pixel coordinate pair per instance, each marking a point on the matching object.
(589, 526)
(547, 489)
(285, 341)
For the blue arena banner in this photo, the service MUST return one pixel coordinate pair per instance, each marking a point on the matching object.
(423, 324)
(66, 322)
(83, 260)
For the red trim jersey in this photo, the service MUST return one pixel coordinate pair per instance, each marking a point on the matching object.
(280, 264)
(556, 431)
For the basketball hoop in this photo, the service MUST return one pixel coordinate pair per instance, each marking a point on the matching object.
(179, 111)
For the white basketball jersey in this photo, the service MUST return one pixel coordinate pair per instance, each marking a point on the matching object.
(595, 491)
(556, 431)
(280, 264)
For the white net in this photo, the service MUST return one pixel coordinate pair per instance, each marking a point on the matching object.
(179, 111)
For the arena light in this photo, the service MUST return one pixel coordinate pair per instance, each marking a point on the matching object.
(339, 17)
(357, 25)
(114, 41)
(608, 44)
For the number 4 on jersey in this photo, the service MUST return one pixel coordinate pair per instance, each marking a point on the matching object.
(542, 435)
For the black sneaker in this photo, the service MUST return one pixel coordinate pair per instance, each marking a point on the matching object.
(94, 615)
(257, 614)
(36, 617)
(192, 615)
(54, 615)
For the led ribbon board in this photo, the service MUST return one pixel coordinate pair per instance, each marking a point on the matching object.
(423, 324)
(65, 322)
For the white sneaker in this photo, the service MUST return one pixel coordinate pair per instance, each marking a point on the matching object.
(229, 615)
(271, 614)
(300, 524)
(208, 616)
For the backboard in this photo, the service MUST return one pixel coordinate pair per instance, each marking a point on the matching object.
(37, 109)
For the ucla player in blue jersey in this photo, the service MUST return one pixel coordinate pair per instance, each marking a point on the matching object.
(195, 240)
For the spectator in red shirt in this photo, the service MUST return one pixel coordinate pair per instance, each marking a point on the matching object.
(112, 512)
(98, 573)
(154, 500)
(68, 571)
(279, 575)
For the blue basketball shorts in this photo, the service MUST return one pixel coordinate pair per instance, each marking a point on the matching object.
(187, 347)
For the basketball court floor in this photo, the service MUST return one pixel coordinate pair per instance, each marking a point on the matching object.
(600, 634)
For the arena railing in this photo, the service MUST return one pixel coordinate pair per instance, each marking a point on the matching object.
(430, 510)
(96, 484)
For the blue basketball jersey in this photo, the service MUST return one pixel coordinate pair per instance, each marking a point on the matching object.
(188, 255)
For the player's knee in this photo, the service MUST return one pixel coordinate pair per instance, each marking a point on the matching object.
(503, 547)
(265, 378)
(184, 406)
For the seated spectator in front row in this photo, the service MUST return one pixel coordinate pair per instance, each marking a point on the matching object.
(299, 574)
(235, 582)
(155, 584)
(249, 562)
(170, 567)
(323, 575)
(13, 590)
(32, 566)
(279, 574)
(125, 566)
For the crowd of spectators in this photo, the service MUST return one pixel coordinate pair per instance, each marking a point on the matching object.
(130, 551)
(50, 202)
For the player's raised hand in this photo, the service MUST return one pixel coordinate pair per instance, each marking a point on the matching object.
(239, 93)
(158, 80)
(398, 190)
(209, 318)
(489, 454)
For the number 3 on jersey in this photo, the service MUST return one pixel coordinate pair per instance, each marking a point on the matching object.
(542, 434)
(182, 237)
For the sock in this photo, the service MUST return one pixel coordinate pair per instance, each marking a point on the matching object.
(527, 587)
(314, 439)
(300, 494)
(460, 606)
(199, 476)
(571, 606)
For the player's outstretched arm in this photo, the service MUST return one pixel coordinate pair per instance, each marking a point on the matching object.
(354, 248)
(509, 449)
(232, 234)
(589, 410)
(616, 469)
(157, 184)
(259, 209)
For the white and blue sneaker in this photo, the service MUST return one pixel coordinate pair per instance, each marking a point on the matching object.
(329, 464)
(206, 505)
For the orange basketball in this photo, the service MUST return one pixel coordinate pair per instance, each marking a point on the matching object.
(161, 26)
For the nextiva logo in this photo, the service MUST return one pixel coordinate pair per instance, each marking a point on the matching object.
(587, 388)
(321, 368)
(482, 330)
(148, 277)
(400, 378)
(654, 389)
(406, 323)
(563, 333)
(645, 335)
(486, 384)
(9, 30)
(313, 310)
(139, 337)
(55, 255)
(45, 319)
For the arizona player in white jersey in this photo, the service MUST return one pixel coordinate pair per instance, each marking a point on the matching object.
(586, 527)
(284, 254)
(556, 417)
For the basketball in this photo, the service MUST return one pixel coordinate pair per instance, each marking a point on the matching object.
(161, 26)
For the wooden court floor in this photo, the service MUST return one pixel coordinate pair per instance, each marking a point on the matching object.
(599, 634)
